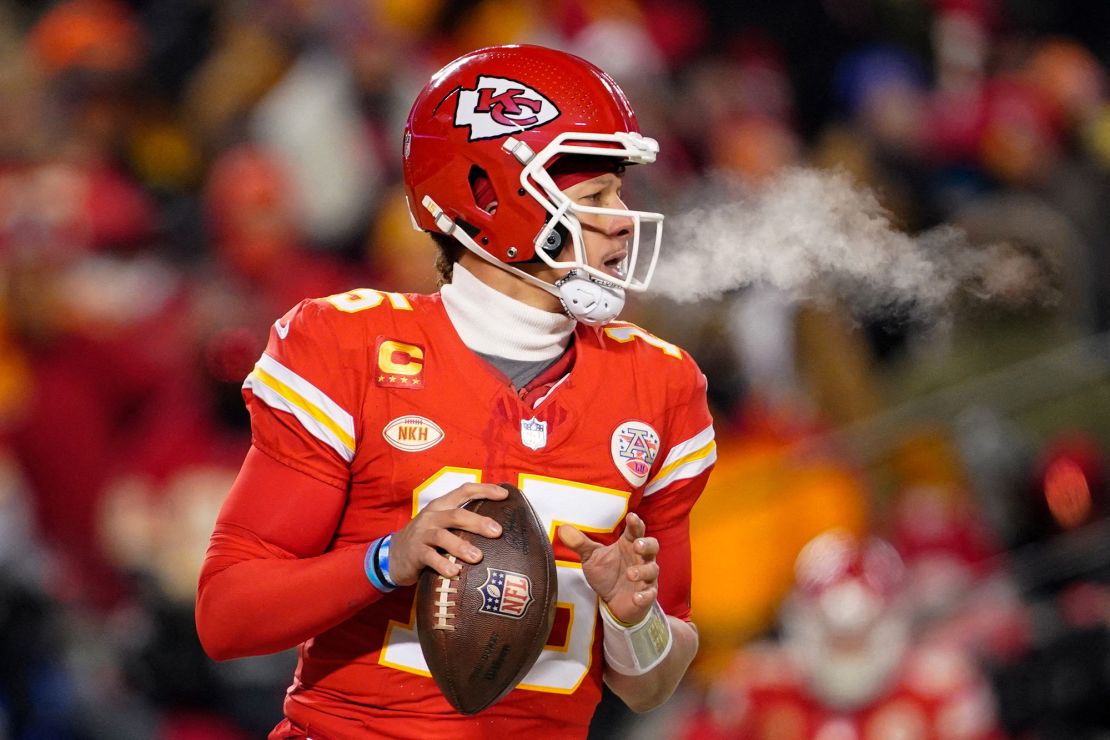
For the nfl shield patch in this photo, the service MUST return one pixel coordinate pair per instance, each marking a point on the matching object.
(533, 433)
(505, 593)
(634, 446)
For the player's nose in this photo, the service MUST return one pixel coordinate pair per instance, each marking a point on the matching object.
(621, 226)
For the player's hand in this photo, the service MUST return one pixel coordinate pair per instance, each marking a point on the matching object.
(624, 574)
(415, 546)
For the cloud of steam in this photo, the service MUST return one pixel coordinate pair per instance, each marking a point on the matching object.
(815, 234)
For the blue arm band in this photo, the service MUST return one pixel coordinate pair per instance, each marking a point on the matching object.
(372, 565)
(383, 560)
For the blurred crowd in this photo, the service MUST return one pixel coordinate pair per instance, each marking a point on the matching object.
(905, 536)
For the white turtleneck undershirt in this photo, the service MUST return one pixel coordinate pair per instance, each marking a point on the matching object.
(491, 323)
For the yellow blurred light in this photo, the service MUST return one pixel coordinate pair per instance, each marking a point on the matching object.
(165, 156)
(495, 22)
(760, 508)
(1096, 135)
(409, 15)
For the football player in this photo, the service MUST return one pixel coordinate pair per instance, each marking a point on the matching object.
(376, 415)
(848, 664)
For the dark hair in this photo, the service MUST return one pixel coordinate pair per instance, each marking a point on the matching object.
(449, 252)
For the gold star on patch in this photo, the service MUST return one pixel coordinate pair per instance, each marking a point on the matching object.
(400, 364)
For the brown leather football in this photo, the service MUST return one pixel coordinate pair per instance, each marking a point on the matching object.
(482, 631)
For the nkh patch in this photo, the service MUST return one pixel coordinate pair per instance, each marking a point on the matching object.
(533, 433)
(634, 446)
(412, 433)
(505, 593)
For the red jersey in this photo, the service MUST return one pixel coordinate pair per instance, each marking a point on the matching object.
(375, 393)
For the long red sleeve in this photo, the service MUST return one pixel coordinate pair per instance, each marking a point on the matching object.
(267, 584)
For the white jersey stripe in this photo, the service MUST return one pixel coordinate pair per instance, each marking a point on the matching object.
(699, 451)
(682, 449)
(282, 389)
(685, 468)
(550, 390)
(279, 396)
(310, 393)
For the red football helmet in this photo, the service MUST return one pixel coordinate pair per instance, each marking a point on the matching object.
(497, 119)
(844, 621)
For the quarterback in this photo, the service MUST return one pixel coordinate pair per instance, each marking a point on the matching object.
(375, 415)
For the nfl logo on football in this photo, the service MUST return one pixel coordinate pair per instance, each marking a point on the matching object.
(505, 593)
(533, 433)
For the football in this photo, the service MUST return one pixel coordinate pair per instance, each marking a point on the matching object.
(482, 631)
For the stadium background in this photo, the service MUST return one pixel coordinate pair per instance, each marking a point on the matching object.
(175, 175)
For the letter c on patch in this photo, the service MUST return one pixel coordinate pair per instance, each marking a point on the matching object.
(398, 358)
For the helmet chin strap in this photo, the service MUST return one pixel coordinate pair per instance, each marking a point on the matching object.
(587, 299)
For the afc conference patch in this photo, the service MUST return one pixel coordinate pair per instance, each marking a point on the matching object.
(634, 446)
(505, 593)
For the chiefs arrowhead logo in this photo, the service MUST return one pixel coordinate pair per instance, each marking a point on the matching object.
(499, 107)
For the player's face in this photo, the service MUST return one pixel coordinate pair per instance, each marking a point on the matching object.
(606, 238)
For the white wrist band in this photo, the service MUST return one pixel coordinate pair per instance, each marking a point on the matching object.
(635, 650)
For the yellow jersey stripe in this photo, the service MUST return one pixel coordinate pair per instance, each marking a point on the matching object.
(298, 400)
(684, 449)
(686, 467)
(310, 393)
(282, 389)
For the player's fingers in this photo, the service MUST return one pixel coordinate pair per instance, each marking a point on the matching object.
(634, 527)
(582, 545)
(645, 573)
(464, 493)
(452, 544)
(646, 596)
(468, 521)
(647, 547)
(441, 564)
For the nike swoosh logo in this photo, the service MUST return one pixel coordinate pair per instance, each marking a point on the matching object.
(281, 329)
